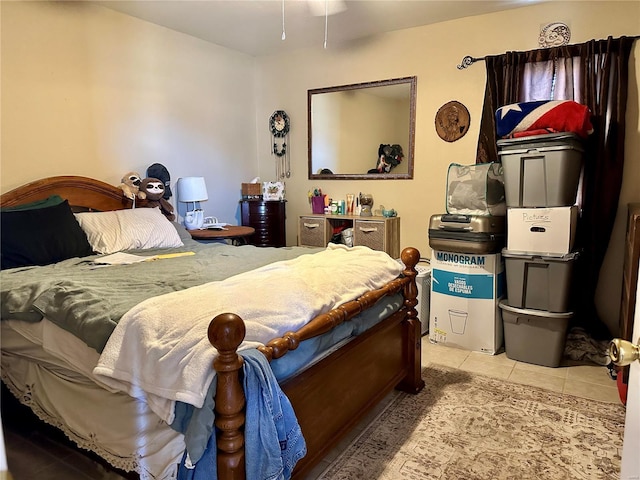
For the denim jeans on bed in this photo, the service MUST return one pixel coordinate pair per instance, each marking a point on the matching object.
(274, 442)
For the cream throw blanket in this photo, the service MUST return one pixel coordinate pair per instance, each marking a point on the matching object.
(160, 352)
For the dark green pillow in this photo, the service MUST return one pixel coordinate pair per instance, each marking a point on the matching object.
(41, 236)
(44, 203)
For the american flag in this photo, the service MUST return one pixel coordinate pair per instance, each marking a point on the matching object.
(543, 116)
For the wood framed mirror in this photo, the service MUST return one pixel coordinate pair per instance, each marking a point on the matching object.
(348, 124)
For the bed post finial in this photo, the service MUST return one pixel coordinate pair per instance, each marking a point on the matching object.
(413, 382)
(410, 257)
(226, 332)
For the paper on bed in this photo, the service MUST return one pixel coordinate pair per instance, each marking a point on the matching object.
(160, 351)
(124, 258)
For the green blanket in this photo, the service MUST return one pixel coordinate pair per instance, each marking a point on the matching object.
(89, 301)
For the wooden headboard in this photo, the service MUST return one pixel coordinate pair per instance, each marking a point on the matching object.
(84, 192)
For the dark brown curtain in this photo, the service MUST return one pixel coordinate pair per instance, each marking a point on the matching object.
(604, 76)
(504, 80)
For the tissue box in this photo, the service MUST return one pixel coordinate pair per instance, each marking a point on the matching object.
(251, 191)
(273, 191)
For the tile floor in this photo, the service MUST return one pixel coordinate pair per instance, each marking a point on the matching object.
(32, 455)
(579, 379)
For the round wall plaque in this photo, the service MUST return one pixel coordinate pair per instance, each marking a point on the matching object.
(452, 121)
(554, 35)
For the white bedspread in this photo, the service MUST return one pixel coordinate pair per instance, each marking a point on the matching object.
(160, 351)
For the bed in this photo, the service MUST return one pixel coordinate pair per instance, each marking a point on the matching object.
(344, 360)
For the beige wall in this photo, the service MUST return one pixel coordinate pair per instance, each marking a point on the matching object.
(432, 53)
(89, 91)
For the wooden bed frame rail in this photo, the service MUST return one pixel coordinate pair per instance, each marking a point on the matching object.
(329, 397)
(226, 332)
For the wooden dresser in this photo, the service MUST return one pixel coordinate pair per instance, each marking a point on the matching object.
(268, 220)
(378, 233)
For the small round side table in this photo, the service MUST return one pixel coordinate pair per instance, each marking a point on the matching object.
(237, 234)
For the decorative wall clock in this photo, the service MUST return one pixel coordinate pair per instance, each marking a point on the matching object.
(279, 124)
(452, 121)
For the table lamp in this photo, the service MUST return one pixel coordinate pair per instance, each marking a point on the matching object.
(192, 189)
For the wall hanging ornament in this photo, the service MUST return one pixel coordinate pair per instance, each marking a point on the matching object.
(452, 121)
(279, 125)
(554, 35)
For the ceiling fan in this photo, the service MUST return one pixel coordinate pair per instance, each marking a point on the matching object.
(320, 8)
(326, 7)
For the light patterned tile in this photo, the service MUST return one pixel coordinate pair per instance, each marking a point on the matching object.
(537, 379)
(483, 367)
(559, 372)
(597, 374)
(498, 359)
(443, 355)
(591, 391)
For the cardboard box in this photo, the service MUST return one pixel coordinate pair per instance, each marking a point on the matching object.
(465, 294)
(542, 230)
(273, 191)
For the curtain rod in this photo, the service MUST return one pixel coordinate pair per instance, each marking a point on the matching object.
(467, 61)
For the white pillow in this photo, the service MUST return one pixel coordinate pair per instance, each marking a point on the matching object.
(110, 232)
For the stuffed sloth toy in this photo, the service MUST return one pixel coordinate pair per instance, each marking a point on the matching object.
(154, 191)
(130, 186)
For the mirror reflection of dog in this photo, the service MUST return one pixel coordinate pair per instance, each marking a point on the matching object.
(154, 190)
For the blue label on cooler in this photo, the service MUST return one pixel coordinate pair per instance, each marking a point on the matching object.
(462, 285)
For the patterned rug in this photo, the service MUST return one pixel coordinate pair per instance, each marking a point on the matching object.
(467, 426)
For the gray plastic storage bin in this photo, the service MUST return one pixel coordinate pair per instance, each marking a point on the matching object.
(538, 281)
(534, 336)
(541, 170)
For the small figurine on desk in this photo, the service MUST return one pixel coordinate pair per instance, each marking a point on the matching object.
(388, 213)
(366, 203)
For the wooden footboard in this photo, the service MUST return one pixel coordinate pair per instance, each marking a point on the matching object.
(332, 396)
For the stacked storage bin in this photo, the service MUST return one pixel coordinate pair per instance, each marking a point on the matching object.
(467, 271)
(541, 175)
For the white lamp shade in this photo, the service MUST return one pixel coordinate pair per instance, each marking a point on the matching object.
(192, 189)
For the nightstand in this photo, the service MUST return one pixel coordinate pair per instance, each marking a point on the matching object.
(236, 234)
(268, 219)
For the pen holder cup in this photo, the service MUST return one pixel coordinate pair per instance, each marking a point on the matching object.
(317, 204)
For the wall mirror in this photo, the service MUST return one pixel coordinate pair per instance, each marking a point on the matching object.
(349, 123)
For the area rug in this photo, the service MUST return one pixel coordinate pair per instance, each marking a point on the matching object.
(468, 426)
